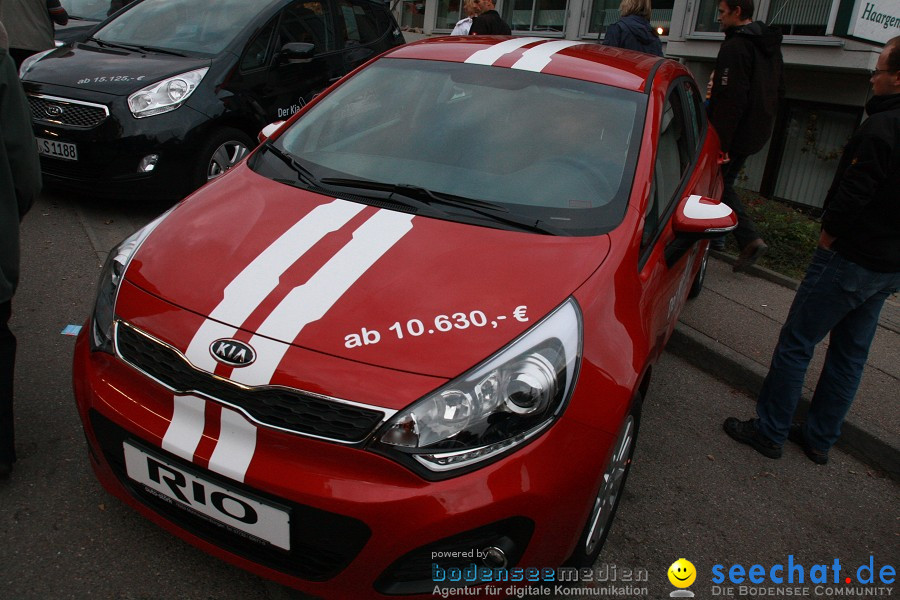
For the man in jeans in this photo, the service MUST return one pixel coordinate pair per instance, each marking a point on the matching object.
(744, 99)
(854, 270)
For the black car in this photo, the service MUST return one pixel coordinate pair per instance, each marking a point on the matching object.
(84, 15)
(171, 93)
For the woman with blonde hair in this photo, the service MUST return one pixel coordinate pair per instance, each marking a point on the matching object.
(472, 8)
(633, 31)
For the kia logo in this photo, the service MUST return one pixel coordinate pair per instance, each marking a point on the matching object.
(232, 352)
(54, 111)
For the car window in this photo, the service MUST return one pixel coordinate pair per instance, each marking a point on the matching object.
(673, 157)
(696, 113)
(181, 25)
(360, 22)
(258, 48)
(555, 148)
(307, 22)
(93, 10)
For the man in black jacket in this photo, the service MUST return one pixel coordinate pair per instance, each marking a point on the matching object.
(748, 85)
(854, 270)
(20, 182)
(489, 21)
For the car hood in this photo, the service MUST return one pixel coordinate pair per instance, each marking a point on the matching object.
(107, 70)
(363, 283)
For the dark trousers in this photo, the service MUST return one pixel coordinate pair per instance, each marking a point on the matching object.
(746, 230)
(7, 365)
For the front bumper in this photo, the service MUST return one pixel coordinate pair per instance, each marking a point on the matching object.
(362, 526)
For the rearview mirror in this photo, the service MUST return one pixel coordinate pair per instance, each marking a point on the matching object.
(297, 52)
(700, 217)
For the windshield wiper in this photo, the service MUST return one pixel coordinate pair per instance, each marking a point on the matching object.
(159, 50)
(103, 44)
(492, 211)
(303, 174)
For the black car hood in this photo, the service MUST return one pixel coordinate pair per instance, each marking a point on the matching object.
(107, 70)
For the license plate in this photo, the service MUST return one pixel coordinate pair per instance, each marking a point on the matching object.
(234, 510)
(57, 149)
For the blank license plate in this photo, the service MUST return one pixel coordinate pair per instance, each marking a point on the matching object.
(237, 511)
(57, 149)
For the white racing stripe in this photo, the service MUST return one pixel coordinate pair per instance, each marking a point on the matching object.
(237, 439)
(489, 56)
(535, 59)
(309, 302)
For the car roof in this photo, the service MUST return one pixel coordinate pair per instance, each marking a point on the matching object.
(587, 61)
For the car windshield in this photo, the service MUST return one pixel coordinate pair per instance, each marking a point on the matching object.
(91, 10)
(552, 149)
(181, 25)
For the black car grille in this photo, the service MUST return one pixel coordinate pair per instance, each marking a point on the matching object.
(63, 112)
(283, 408)
(322, 543)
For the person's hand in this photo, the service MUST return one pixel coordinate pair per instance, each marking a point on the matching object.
(826, 240)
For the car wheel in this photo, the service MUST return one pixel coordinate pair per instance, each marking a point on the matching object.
(697, 286)
(607, 501)
(223, 150)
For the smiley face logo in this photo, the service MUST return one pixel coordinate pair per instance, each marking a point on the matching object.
(682, 573)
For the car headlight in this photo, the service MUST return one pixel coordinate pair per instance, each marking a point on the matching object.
(166, 95)
(498, 405)
(108, 287)
(29, 62)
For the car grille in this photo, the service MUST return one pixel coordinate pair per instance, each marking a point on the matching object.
(65, 112)
(322, 543)
(279, 407)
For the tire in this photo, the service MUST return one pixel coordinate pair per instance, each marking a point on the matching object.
(222, 150)
(697, 286)
(600, 519)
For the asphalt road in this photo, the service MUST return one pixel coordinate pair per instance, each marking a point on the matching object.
(692, 492)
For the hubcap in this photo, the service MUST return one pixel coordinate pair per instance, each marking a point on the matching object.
(611, 487)
(226, 156)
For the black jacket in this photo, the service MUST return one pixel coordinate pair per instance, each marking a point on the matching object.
(633, 33)
(862, 208)
(489, 23)
(748, 86)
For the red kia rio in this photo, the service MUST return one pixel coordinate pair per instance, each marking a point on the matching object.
(412, 332)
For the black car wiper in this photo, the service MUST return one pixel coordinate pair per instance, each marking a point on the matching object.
(104, 44)
(492, 211)
(159, 50)
(303, 174)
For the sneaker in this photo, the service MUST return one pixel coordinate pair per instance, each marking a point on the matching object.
(751, 253)
(746, 432)
(820, 457)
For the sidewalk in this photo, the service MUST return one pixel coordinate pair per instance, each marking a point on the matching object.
(730, 331)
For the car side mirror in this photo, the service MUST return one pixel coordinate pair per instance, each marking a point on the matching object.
(268, 131)
(699, 217)
(296, 52)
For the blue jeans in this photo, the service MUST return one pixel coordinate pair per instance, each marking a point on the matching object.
(836, 296)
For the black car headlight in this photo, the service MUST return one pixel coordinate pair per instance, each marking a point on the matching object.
(108, 287)
(502, 403)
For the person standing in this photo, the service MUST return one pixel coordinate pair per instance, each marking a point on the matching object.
(748, 86)
(633, 31)
(489, 21)
(855, 268)
(20, 183)
(30, 25)
(472, 7)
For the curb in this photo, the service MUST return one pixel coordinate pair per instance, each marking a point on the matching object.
(738, 371)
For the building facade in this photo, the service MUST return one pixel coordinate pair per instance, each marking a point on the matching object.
(827, 77)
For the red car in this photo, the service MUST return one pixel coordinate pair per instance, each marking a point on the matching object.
(412, 332)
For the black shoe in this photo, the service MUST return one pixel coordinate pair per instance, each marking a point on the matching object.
(5, 469)
(820, 457)
(749, 255)
(745, 432)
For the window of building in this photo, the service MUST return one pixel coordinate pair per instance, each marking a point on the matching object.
(536, 15)
(412, 14)
(449, 12)
(606, 12)
(794, 17)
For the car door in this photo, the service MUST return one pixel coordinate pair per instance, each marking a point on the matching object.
(666, 261)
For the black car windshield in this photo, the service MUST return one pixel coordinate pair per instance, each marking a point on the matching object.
(90, 10)
(557, 150)
(181, 25)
